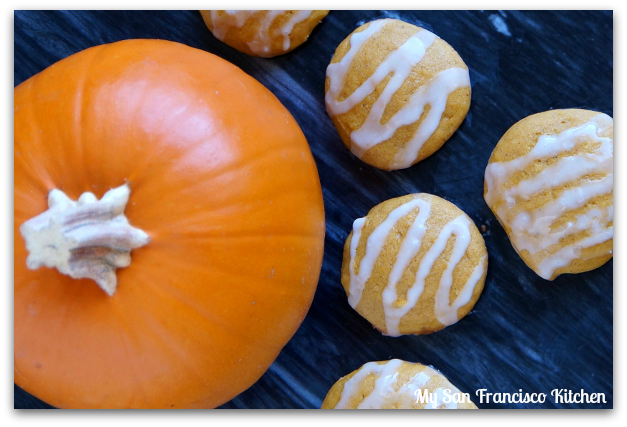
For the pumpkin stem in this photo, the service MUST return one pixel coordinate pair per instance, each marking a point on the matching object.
(89, 238)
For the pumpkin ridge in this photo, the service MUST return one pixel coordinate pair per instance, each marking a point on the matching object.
(28, 157)
(78, 105)
(180, 354)
(235, 166)
(124, 340)
(170, 292)
(18, 374)
(243, 235)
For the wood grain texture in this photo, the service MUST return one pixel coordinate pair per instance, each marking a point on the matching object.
(524, 333)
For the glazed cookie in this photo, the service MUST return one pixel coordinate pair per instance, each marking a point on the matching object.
(414, 265)
(396, 92)
(264, 33)
(395, 384)
(549, 182)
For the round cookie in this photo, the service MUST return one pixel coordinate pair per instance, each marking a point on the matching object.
(395, 384)
(414, 265)
(396, 92)
(549, 182)
(264, 33)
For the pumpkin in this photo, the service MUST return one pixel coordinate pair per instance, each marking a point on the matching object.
(215, 257)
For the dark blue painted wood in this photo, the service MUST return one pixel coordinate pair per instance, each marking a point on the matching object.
(524, 333)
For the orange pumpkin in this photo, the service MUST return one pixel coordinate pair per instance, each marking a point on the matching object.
(224, 185)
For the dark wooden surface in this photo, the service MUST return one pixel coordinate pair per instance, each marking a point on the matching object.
(524, 333)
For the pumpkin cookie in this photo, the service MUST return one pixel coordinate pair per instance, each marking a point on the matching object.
(414, 265)
(396, 92)
(395, 384)
(264, 33)
(549, 182)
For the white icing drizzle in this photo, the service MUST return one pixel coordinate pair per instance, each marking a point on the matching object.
(230, 19)
(286, 29)
(388, 392)
(532, 230)
(356, 287)
(445, 310)
(434, 93)
(445, 313)
(374, 245)
(409, 249)
(399, 64)
(262, 42)
(384, 385)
